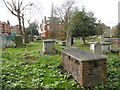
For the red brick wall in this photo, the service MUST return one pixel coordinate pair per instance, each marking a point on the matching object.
(5, 28)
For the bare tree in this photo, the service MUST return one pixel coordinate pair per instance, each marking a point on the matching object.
(17, 8)
(32, 10)
(65, 13)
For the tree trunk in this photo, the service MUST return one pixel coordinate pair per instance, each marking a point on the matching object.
(83, 38)
(20, 27)
(25, 34)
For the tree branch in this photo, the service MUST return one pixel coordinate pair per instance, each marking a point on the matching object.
(12, 11)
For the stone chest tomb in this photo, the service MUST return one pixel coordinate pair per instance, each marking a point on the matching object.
(48, 47)
(87, 68)
(105, 47)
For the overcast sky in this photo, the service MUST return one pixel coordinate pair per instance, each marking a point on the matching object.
(104, 10)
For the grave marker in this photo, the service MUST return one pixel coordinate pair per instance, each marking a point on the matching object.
(98, 48)
(69, 41)
(87, 68)
(48, 47)
(18, 41)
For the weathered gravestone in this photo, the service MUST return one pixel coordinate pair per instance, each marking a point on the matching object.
(69, 41)
(106, 47)
(9, 44)
(87, 68)
(63, 43)
(48, 47)
(98, 48)
(92, 45)
(19, 41)
(23, 41)
(3, 41)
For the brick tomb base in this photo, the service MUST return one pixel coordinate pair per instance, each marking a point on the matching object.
(87, 68)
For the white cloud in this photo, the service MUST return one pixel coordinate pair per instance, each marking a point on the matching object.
(105, 10)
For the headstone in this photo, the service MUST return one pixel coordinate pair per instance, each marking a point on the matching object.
(69, 41)
(3, 41)
(23, 41)
(48, 47)
(18, 41)
(11, 43)
(98, 48)
(63, 43)
(92, 45)
(106, 47)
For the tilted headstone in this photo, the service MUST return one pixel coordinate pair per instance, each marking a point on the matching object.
(48, 47)
(18, 41)
(69, 41)
(98, 48)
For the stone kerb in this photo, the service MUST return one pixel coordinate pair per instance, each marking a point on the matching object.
(87, 68)
(48, 47)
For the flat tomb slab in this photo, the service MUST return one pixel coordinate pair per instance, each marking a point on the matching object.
(81, 55)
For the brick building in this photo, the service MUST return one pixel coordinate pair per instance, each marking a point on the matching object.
(50, 24)
(15, 30)
(5, 28)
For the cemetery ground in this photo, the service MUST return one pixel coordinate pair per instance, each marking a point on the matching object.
(46, 71)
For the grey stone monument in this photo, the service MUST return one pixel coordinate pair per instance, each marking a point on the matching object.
(69, 41)
(98, 48)
(3, 41)
(106, 47)
(18, 41)
(92, 45)
(48, 47)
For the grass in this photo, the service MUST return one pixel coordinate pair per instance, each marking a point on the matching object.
(46, 72)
